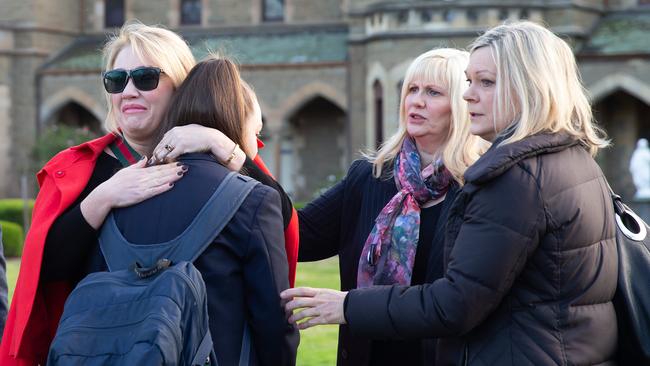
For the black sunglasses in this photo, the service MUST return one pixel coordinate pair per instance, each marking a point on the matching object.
(144, 78)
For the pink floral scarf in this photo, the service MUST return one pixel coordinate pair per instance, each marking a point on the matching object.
(388, 255)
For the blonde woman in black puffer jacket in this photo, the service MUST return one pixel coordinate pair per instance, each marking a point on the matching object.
(531, 260)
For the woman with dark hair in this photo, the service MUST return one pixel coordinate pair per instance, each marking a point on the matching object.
(241, 155)
(245, 267)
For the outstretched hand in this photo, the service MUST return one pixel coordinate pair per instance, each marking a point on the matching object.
(319, 306)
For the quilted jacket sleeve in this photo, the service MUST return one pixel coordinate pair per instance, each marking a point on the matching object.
(499, 229)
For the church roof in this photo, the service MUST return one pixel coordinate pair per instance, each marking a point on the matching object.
(620, 34)
(305, 46)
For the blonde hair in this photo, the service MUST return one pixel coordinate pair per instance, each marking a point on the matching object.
(162, 47)
(444, 67)
(538, 84)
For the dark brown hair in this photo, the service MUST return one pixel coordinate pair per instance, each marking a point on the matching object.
(212, 96)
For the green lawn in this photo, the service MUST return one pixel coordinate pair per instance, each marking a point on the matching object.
(317, 345)
(13, 264)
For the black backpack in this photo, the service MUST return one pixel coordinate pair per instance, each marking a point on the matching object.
(151, 307)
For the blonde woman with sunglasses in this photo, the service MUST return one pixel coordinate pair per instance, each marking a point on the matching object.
(80, 185)
(144, 66)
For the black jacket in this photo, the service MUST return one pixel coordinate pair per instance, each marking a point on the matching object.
(339, 222)
(244, 269)
(531, 265)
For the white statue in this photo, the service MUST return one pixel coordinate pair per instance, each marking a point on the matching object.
(640, 169)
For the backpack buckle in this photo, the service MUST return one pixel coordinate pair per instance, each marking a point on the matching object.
(160, 265)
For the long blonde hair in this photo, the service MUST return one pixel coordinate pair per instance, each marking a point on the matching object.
(161, 46)
(538, 84)
(445, 67)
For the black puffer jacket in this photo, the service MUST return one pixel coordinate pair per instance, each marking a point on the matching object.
(531, 265)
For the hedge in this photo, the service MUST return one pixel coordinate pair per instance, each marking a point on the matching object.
(12, 239)
(55, 138)
(11, 210)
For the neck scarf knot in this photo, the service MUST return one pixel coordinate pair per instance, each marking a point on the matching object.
(388, 255)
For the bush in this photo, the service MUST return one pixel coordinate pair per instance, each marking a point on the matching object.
(328, 183)
(12, 238)
(12, 210)
(57, 138)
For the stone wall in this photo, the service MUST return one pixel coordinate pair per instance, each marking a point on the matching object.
(231, 12)
(283, 93)
(22, 120)
(310, 11)
(58, 90)
(64, 15)
(5, 133)
(384, 37)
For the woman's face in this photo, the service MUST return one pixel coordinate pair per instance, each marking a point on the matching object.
(481, 75)
(428, 114)
(252, 129)
(139, 113)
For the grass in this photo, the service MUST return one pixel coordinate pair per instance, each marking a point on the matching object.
(317, 345)
(13, 264)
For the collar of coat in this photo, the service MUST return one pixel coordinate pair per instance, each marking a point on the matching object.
(87, 150)
(498, 159)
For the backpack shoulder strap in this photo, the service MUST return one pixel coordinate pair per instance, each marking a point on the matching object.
(119, 253)
(214, 216)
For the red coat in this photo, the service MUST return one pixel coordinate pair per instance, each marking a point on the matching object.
(291, 238)
(36, 308)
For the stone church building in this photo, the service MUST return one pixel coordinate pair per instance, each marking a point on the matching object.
(327, 72)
